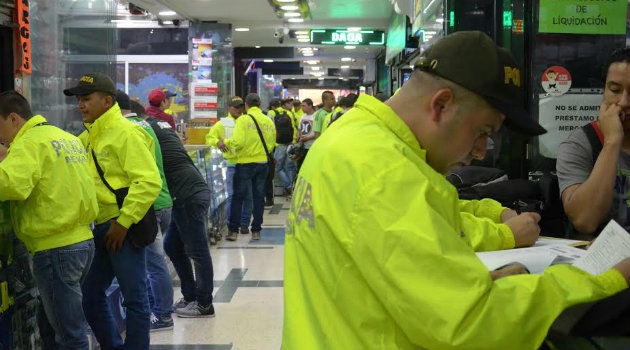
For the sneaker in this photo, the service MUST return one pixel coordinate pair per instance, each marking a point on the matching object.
(161, 324)
(181, 303)
(232, 236)
(244, 230)
(195, 310)
(256, 236)
(268, 204)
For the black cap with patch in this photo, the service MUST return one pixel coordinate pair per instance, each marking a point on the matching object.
(236, 102)
(90, 83)
(472, 60)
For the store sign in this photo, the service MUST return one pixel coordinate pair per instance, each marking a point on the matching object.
(346, 37)
(24, 22)
(562, 115)
(583, 16)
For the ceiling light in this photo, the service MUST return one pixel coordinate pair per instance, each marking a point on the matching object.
(268, 61)
(303, 40)
(340, 78)
(440, 20)
(301, 36)
(354, 29)
(312, 61)
(258, 46)
(308, 54)
(167, 13)
(296, 20)
(292, 14)
(241, 29)
(346, 59)
(289, 7)
(301, 32)
(345, 67)
(320, 78)
(130, 21)
(286, 0)
(349, 47)
(315, 68)
(167, 22)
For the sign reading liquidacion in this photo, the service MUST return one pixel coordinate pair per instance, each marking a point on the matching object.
(583, 16)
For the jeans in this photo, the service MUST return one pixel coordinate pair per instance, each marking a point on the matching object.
(128, 265)
(159, 282)
(254, 175)
(285, 166)
(187, 238)
(247, 203)
(59, 273)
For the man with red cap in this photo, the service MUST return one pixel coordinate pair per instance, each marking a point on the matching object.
(158, 102)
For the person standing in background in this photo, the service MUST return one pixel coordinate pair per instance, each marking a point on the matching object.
(158, 102)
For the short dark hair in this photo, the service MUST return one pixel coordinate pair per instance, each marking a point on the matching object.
(298, 103)
(618, 56)
(137, 108)
(308, 101)
(274, 103)
(13, 102)
(348, 101)
(287, 100)
(105, 94)
(252, 100)
(327, 92)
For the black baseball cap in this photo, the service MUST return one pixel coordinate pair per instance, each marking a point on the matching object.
(90, 83)
(472, 60)
(123, 100)
(236, 102)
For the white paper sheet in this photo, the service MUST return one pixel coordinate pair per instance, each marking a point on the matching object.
(612, 246)
(536, 259)
(546, 241)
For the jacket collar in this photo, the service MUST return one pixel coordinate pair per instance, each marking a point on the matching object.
(393, 122)
(103, 122)
(254, 110)
(37, 119)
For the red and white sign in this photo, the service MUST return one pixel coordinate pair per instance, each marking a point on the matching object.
(206, 91)
(556, 81)
(202, 106)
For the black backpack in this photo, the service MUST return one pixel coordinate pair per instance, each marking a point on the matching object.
(284, 128)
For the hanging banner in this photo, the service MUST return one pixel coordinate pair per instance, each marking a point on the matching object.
(24, 22)
(583, 16)
(562, 115)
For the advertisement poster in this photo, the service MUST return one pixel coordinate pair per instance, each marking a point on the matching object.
(583, 17)
(202, 51)
(562, 115)
(204, 100)
(556, 81)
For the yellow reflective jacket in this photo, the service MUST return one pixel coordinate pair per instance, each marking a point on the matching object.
(329, 118)
(482, 226)
(47, 179)
(126, 153)
(375, 258)
(217, 132)
(246, 141)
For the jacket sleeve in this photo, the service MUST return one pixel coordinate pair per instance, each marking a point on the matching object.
(485, 208)
(486, 235)
(237, 141)
(433, 285)
(215, 134)
(20, 171)
(138, 163)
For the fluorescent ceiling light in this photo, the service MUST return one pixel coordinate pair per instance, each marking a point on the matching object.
(258, 46)
(346, 59)
(340, 78)
(268, 61)
(349, 47)
(312, 61)
(296, 20)
(345, 67)
(354, 29)
(130, 21)
(303, 40)
(289, 7)
(167, 13)
(241, 29)
(320, 78)
(167, 22)
(308, 54)
(301, 32)
(440, 20)
(315, 68)
(292, 14)
(302, 36)
(286, 0)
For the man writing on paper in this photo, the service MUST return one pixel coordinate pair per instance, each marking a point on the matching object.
(594, 161)
(373, 216)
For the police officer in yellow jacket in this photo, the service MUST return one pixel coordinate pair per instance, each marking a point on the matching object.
(253, 137)
(53, 202)
(375, 253)
(125, 153)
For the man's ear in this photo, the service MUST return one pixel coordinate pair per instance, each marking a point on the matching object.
(440, 104)
(14, 118)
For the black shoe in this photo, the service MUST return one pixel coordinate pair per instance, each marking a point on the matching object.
(244, 230)
(194, 310)
(268, 204)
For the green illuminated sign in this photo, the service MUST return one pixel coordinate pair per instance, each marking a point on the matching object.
(347, 37)
(451, 22)
(583, 17)
(507, 18)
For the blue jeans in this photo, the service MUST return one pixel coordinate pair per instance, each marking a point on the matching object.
(129, 267)
(159, 283)
(187, 238)
(247, 203)
(254, 175)
(285, 166)
(59, 273)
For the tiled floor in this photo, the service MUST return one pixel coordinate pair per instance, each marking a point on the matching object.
(247, 294)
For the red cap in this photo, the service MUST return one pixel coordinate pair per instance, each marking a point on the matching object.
(156, 97)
